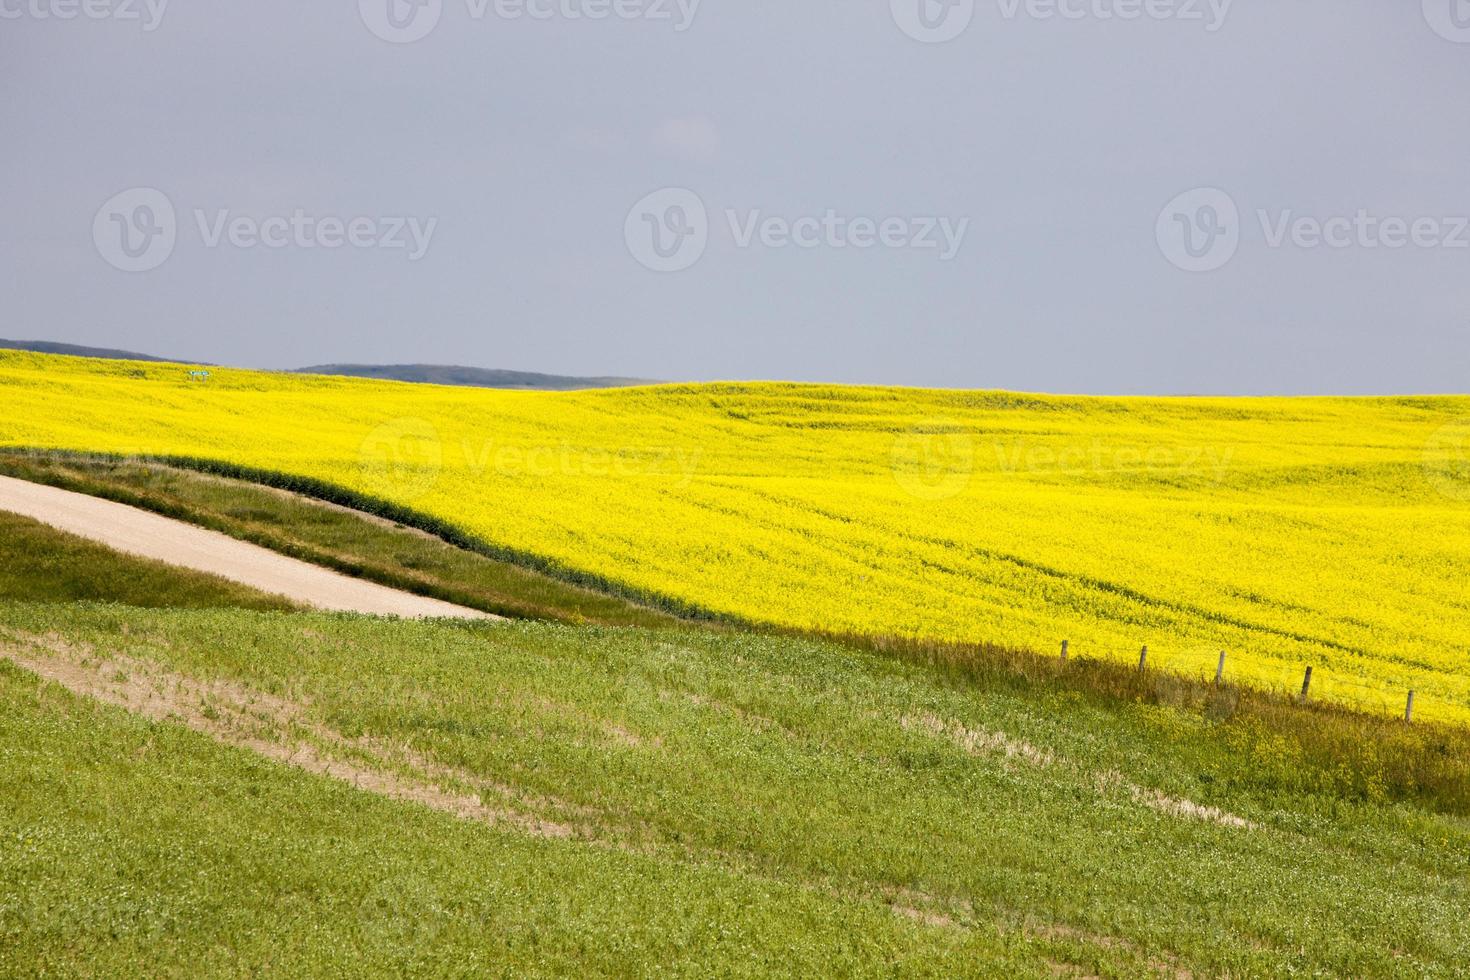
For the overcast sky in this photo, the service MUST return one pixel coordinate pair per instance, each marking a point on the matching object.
(1143, 196)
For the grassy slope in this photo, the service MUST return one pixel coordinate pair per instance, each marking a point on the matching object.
(807, 775)
(129, 849)
(352, 543)
(1331, 532)
(42, 564)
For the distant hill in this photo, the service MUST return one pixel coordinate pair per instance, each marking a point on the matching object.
(469, 377)
(75, 350)
(438, 374)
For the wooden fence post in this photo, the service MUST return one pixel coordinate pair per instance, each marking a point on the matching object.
(1064, 651)
(1220, 670)
(1409, 710)
(1143, 660)
(1307, 684)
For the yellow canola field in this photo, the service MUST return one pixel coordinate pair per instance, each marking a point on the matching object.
(1330, 532)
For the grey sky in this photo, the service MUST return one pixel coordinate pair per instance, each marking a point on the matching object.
(1059, 140)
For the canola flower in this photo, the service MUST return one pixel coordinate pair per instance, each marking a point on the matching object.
(1326, 531)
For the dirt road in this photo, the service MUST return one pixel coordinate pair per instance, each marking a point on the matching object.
(138, 532)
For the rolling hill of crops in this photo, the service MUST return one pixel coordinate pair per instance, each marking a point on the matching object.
(1330, 532)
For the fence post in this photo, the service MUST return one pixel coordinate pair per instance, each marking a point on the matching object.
(1064, 651)
(1307, 684)
(1220, 670)
(1409, 710)
(1143, 660)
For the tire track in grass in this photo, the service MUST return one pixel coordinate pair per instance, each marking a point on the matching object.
(282, 730)
(239, 716)
(984, 742)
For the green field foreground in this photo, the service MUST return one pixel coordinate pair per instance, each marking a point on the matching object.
(129, 848)
(646, 800)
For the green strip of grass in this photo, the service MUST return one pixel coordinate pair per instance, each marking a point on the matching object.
(42, 564)
(1351, 754)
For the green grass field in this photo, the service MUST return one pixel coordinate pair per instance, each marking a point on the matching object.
(129, 848)
(314, 794)
(45, 565)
